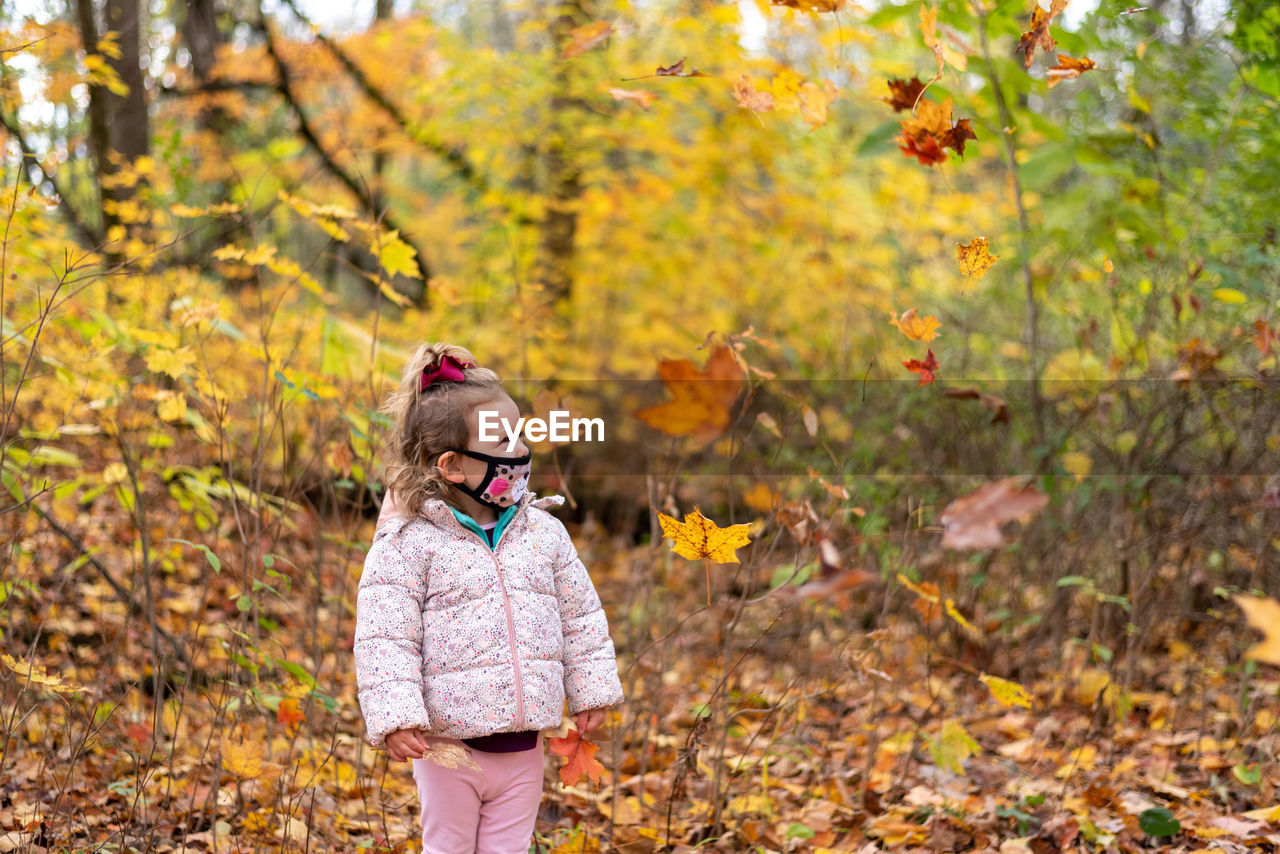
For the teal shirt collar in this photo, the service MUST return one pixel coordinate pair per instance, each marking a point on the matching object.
(504, 518)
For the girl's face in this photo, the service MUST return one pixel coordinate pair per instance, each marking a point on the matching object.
(469, 471)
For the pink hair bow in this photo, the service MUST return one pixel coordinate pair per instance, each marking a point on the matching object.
(449, 370)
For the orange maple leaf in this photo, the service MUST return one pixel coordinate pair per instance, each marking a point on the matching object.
(289, 713)
(701, 400)
(925, 369)
(915, 327)
(579, 758)
(1038, 34)
(1069, 69)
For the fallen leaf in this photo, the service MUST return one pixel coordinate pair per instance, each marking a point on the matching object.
(1006, 693)
(1263, 615)
(35, 673)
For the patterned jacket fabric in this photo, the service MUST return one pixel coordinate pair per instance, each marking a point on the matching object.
(462, 640)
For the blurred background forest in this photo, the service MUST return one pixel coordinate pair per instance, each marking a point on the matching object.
(227, 223)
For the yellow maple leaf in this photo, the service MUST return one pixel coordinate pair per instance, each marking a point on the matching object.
(975, 257)
(697, 537)
(931, 118)
(915, 327)
(34, 673)
(172, 406)
(954, 745)
(814, 101)
(1263, 615)
(172, 362)
(245, 759)
(396, 256)
(1006, 693)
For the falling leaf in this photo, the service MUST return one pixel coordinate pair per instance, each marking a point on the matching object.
(701, 399)
(697, 537)
(636, 96)
(586, 37)
(943, 53)
(812, 5)
(750, 97)
(1006, 693)
(396, 256)
(903, 94)
(1263, 615)
(954, 136)
(814, 101)
(927, 149)
(915, 327)
(1038, 34)
(925, 369)
(931, 129)
(1068, 69)
(975, 258)
(998, 405)
(677, 70)
(973, 521)
(36, 675)
(579, 758)
(449, 755)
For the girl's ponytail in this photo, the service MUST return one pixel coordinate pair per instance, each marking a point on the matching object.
(431, 411)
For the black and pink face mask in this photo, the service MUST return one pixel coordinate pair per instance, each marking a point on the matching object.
(504, 481)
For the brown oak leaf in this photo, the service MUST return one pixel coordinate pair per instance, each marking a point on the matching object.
(1038, 34)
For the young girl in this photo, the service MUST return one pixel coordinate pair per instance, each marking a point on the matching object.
(475, 619)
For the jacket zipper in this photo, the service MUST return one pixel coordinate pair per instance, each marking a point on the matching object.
(511, 623)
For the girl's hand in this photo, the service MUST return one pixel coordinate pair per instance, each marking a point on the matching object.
(406, 744)
(588, 720)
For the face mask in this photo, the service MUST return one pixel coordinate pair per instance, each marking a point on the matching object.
(504, 481)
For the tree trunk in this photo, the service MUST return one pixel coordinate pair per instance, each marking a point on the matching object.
(128, 125)
(559, 226)
(99, 136)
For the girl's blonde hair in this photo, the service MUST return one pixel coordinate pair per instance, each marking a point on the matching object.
(430, 421)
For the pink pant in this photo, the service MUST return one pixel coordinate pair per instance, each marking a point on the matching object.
(490, 811)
